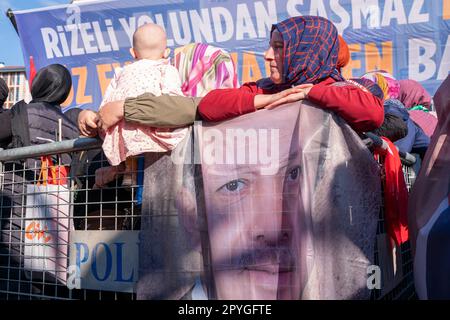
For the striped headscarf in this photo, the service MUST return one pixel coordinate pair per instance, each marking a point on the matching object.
(386, 81)
(311, 49)
(203, 68)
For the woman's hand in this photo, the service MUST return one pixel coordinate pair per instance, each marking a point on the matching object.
(87, 123)
(110, 114)
(294, 94)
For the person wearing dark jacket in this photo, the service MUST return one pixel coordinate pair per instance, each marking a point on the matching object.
(37, 122)
(30, 124)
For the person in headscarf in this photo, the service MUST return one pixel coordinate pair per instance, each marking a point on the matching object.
(203, 68)
(32, 124)
(366, 84)
(51, 85)
(4, 91)
(303, 56)
(387, 83)
(36, 122)
(394, 127)
(412, 94)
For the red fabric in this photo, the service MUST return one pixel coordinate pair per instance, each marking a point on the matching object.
(344, 54)
(222, 104)
(32, 71)
(51, 173)
(395, 194)
(362, 110)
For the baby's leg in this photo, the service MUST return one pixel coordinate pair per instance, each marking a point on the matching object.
(105, 175)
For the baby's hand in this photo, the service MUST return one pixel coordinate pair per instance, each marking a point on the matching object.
(87, 123)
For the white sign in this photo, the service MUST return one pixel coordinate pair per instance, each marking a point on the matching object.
(47, 230)
(104, 260)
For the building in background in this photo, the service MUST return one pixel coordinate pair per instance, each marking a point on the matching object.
(17, 82)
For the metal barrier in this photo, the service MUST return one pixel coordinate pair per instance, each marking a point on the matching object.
(112, 208)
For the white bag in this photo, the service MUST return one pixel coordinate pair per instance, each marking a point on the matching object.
(46, 230)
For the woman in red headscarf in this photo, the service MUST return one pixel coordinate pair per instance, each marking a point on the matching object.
(303, 56)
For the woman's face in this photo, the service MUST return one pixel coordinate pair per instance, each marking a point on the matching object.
(274, 55)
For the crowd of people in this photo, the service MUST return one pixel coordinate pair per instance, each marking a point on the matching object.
(150, 103)
(299, 71)
(150, 97)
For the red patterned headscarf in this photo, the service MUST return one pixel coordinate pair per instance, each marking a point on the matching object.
(311, 49)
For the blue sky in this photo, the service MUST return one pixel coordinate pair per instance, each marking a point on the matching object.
(10, 51)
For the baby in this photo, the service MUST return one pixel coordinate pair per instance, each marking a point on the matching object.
(150, 72)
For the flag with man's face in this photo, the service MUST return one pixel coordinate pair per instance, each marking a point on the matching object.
(275, 204)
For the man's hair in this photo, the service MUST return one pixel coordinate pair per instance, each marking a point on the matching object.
(393, 128)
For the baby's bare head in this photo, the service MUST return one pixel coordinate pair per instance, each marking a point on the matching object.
(149, 42)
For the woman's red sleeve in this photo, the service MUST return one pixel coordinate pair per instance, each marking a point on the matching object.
(222, 104)
(361, 109)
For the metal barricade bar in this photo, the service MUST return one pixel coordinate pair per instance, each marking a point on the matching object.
(66, 146)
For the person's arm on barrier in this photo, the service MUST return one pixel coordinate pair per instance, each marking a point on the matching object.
(162, 112)
(165, 111)
(223, 104)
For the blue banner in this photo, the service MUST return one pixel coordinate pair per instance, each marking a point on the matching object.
(408, 38)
